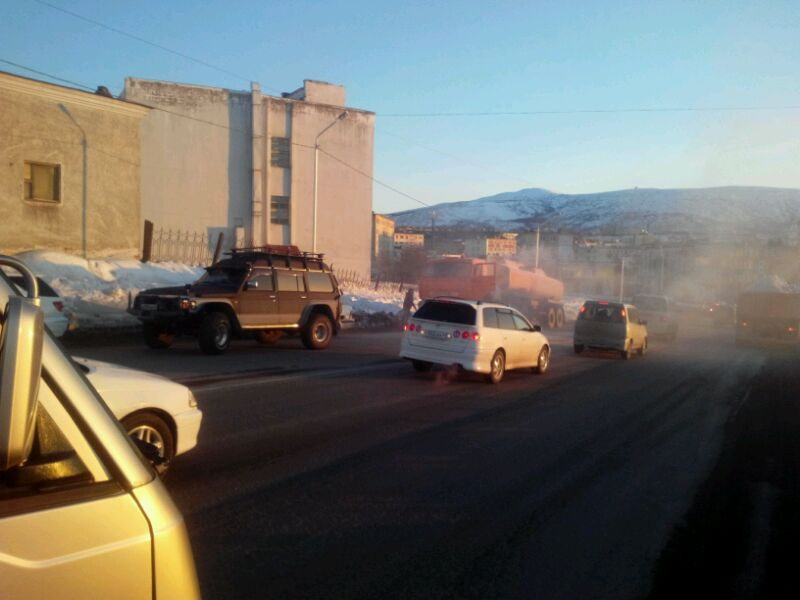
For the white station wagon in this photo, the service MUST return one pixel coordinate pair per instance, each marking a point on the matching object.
(476, 336)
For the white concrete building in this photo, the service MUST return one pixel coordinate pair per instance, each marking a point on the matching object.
(244, 163)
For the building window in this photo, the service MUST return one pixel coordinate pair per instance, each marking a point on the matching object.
(42, 182)
(279, 210)
(281, 155)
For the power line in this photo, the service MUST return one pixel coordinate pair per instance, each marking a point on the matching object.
(43, 74)
(590, 111)
(453, 156)
(147, 42)
(378, 181)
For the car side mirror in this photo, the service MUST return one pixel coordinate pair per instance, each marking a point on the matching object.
(537, 328)
(21, 344)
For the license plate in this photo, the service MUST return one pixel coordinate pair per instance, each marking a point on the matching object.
(149, 306)
(438, 335)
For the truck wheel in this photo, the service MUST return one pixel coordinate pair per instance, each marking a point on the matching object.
(318, 332)
(155, 337)
(551, 318)
(269, 337)
(151, 429)
(559, 318)
(215, 333)
(497, 367)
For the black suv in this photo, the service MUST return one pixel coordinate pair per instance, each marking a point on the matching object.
(267, 292)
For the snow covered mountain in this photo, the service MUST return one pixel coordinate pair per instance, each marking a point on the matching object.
(698, 211)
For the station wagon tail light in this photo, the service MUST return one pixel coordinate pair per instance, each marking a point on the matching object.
(410, 327)
(59, 305)
(465, 335)
(476, 336)
(583, 308)
(622, 312)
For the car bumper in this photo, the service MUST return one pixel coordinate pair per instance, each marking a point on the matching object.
(600, 344)
(187, 426)
(471, 361)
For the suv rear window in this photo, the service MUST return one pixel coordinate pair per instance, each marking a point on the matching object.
(606, 312)
(319, 282)
(447, 312)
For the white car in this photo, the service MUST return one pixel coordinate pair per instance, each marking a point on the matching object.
(476, 336)
(151, 408)
(55, 317)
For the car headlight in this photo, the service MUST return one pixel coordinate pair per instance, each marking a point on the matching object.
(192, 400)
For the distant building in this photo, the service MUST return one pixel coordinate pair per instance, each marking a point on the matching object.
(70, 169)
(382, 238)
(488, 247)
(242, 163)
(403, 240)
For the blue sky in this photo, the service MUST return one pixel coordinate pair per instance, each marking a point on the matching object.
(440, 57)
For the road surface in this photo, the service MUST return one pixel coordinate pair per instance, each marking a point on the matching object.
(344, 474)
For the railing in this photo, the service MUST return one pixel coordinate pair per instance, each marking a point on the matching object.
(187, 247)
(353, 279)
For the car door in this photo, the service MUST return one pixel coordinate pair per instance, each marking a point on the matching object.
(258, 302)
(292, 295)
(69, 529)
(510, 336)
(527, 342)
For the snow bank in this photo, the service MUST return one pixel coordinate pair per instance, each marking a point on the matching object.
(95, 292)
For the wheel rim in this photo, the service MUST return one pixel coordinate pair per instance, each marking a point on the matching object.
(320, 332)
(150, 435)
(544, 359)
(497, 366)
(221, 335)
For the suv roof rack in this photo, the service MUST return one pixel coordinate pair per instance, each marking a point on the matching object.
(274, 253)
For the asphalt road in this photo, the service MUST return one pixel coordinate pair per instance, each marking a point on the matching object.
(343, 474)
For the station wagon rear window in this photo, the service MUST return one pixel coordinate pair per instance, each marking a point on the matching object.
(598, 312)
(447, 312)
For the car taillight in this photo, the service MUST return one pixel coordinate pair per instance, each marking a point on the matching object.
(476, 336)
(411, 327)
(791, 329)
(622, 312)
(465, 335)
(583, 308)
(59, 305)
(744, 323)
(405, 326)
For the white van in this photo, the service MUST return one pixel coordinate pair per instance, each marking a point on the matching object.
(603, 325)
(82, 513)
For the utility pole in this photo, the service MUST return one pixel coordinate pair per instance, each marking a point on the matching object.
(622, 278)
(536, 265)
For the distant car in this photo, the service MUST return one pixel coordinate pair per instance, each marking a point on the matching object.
(476, 336)
(55, 317)
(660, 315)
(151, 408)
(604, 325)
(722, 313)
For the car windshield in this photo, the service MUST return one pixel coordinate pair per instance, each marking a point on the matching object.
(447, 312)
(223, 277)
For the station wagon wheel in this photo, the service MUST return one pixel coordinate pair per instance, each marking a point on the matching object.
(543, 361)
(627, 353)
(152, 429)
(215, 333)
(641, 351)
(318, 332)
(497, 367)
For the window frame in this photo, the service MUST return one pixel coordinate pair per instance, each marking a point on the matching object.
(57, 186)
(275, 207)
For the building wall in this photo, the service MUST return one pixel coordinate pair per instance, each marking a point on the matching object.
(214, 171)
(42, 122)
(195, 158)
(382, 236)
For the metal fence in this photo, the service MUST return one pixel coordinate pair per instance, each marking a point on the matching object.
(187, 247)
(353, 279)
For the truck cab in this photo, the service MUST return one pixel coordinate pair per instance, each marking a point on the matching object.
(82, 512)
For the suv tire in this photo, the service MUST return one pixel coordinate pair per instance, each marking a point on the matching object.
(155, 337)
(215, 333)
(318, 332)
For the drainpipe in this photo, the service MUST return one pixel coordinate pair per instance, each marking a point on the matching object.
(84, 198)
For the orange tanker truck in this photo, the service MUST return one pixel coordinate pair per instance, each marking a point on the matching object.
(530, 291)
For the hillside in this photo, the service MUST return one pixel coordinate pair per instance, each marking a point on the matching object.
(701, 210)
